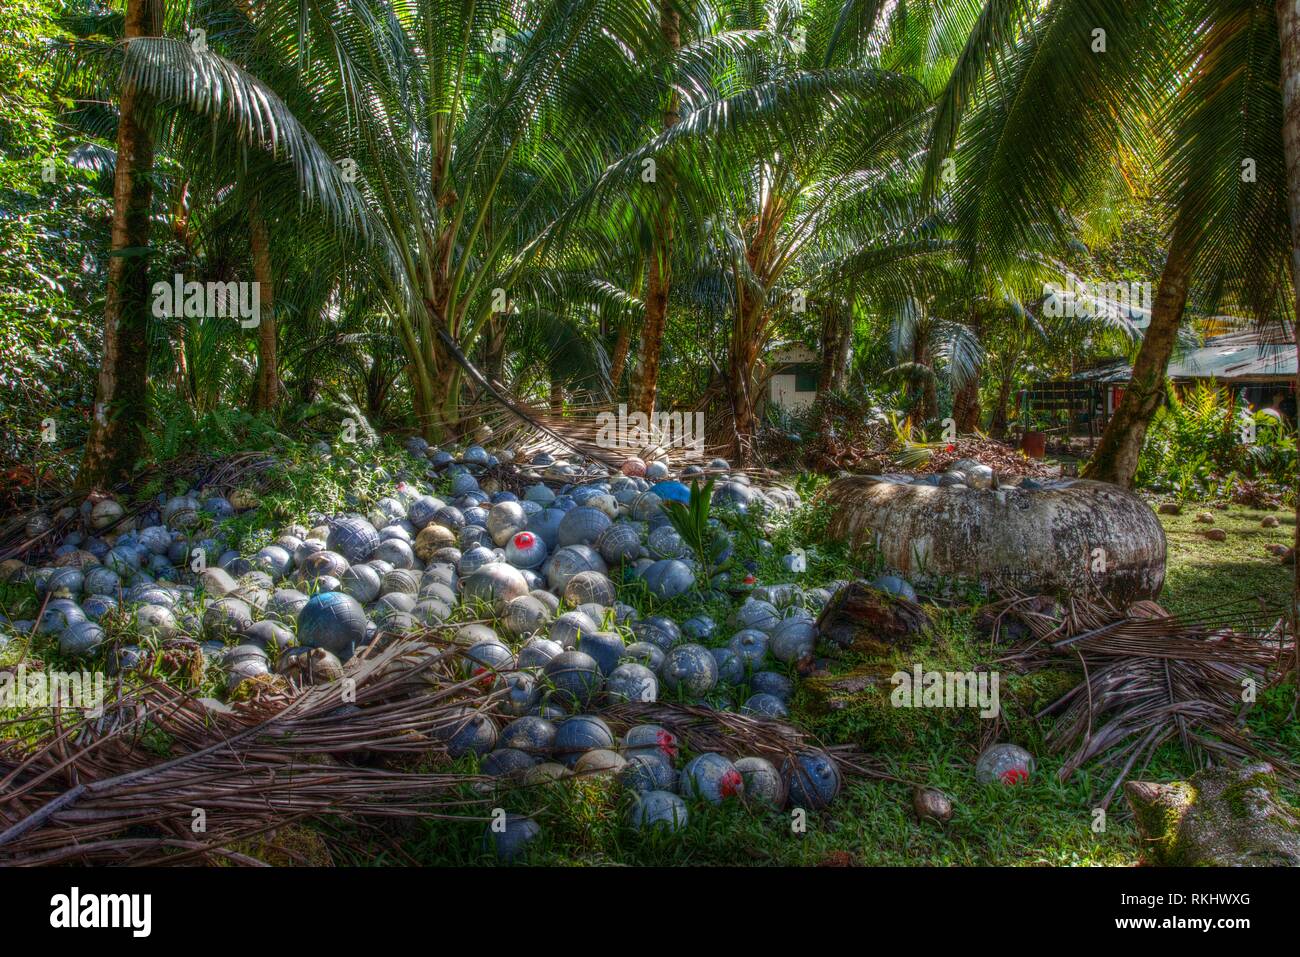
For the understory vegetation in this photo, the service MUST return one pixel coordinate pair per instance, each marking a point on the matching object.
(283, 240)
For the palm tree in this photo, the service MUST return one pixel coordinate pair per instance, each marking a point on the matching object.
(1061, 94)
(121, 410)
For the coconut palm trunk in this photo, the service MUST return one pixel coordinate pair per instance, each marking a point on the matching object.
(1288, 25)
(121, 394)
(1116, 456)
(659, 281)
(837, 349)
(268, 375)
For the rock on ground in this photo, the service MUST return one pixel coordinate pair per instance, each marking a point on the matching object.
(867, 619)
(1220, 817)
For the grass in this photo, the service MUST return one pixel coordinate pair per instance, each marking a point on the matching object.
(1203, 574)
(1043, 822)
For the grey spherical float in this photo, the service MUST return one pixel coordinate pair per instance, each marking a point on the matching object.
(713, 777)
(632, 682)
(589, 588)
(599, 761)
(81, 639)
(644, 773)
(96, 607)
(659, 631)
(665, 542)
(488, 660)
(758, 614)
(731, 667)
(65, 583)
(504, 520)
(659, 810)
(812, 779)
(122, 658)
(226, 617)
(422, 510)
(569, 561)
(620, 543)
(400, 581)
(472, 732)
(668, 578)
(526, 550)
(268, 634)
(525, 615)
(574, 677)
(510, 839)
(506, 762)
(568, 628)
(333, 621)
(353, 537)
(396, 552)
(793, 640)
(101, 581)
(530, 734)
(475, 558)
(605, 647)
(765, 705)
(285, 604)
(362, 582)
(750, 645)
(773, 683)
(537, 651)
(763, 782)
(690, 670)
(1004, 764)
(579, 734)
(496, 584)
(304, 667)
(523, 692)
(159, 622)
(544, 523)
(644, 653)
(582, 526)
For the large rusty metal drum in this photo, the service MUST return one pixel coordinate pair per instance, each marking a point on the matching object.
(1042, 536)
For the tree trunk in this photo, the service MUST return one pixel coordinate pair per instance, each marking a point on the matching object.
(618, 362)
(557, 396)
(998, 425)
(268, 372)
(1288, 25)
(494, 348)
(837, 348)
(1116, 456)
(929, 391)
(645, 381)
(966, 406)
(741, 360)
(121, 394)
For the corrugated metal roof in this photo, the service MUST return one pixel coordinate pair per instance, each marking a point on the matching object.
(1230, 361)
(1232, 357)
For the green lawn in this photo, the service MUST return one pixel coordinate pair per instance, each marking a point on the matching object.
(1045, 822)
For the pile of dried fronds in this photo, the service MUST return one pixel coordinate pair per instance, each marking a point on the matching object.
(737, 735)
(1149, 678)
(839, 432)
(222, 474)
(132, 785)
(1002, 459)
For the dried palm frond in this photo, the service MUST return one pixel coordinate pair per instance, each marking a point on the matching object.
(1149, 677)
(128, 786)
(737, 735)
